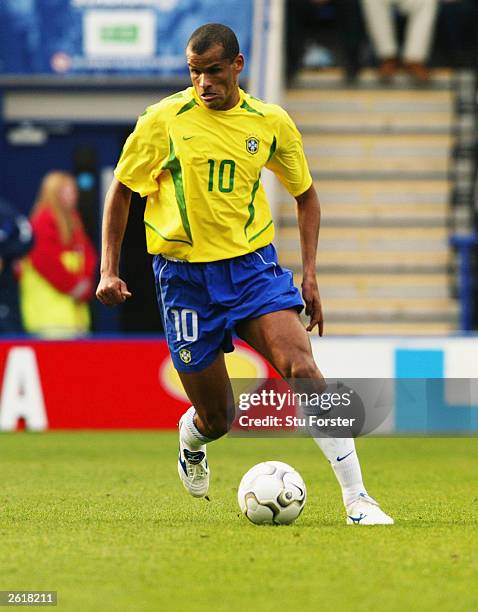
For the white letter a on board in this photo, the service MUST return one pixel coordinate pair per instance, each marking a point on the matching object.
(22, 395)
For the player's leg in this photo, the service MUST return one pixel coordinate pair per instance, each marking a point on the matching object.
(196, 338)
(210, 393)
(281, 338)
(207, 419)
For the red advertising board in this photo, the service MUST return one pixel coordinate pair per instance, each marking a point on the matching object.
(99, 384)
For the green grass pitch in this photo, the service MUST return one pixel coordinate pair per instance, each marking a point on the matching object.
(102, 519)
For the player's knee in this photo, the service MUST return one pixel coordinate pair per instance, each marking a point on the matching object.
(217, 424)
(303, 366)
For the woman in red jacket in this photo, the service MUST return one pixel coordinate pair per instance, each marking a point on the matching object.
(58, 275)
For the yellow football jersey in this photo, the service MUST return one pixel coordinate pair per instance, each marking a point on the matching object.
(201, 169)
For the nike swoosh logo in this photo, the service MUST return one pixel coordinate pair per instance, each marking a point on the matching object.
(187, 137)
(357, 519)
(345, 456)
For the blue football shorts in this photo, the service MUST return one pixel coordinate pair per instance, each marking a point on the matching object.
(201, 303)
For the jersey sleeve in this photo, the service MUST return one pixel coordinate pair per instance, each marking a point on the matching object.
(288, 162)
(143, 154)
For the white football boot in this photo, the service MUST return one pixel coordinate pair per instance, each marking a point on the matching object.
(366, 511)
(193, 468)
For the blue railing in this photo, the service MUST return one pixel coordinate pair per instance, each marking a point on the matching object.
(466, 245)
(467, 282)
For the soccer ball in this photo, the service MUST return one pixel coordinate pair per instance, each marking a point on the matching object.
(272, 493)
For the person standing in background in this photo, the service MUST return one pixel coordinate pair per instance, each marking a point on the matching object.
(379, 19)
(57, 278)
(15, 241)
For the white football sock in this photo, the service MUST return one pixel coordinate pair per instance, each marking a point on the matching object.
(342, 456)
(191, 437)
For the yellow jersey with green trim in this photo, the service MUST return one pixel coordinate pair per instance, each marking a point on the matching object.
(201, 170)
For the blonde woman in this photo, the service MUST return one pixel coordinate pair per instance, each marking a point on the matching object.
(58, 275)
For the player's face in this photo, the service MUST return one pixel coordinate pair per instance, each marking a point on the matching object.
(215, 78)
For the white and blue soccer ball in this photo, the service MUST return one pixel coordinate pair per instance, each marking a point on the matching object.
(272, 493)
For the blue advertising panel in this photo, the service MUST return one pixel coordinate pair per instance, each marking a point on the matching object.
(83, 38)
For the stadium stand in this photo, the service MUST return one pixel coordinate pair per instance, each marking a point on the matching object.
(381, 159)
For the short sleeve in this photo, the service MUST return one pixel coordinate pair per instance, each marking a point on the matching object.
(288, 162)
(143, 154)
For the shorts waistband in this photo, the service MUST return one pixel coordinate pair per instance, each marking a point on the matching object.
(176, 260)
(169, 258)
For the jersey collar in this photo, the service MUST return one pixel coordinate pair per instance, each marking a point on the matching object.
(230, 110)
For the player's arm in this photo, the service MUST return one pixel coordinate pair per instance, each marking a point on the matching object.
(308, 214)
(111, 289)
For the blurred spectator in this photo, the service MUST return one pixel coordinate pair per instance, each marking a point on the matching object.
(15, 242)
(58, 276)
(295, 21)
(380, 19)
(352, 34)
(316, 26)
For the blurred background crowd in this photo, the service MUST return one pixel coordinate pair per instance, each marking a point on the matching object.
(389, 34)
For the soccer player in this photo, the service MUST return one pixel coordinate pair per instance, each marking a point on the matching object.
(198, 156)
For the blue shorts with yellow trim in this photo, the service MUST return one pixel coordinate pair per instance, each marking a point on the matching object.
(201, 303)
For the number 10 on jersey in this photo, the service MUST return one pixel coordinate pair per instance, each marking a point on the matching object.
(224, 178)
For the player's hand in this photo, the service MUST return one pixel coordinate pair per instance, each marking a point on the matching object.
(313, 304)
(112, 290)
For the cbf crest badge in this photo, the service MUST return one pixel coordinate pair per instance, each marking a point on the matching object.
(185, 355)
(252, 145)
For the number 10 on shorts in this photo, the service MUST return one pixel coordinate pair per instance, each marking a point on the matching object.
(185, 324)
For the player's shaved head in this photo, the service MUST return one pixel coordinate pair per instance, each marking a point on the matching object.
(211, 34)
